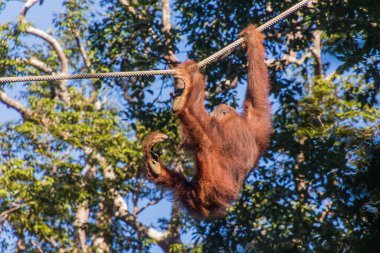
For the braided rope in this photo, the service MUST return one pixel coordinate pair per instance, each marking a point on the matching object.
(85, 76)
(226, 50)
(231, 47)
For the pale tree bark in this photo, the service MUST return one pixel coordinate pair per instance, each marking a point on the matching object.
(87, 62)
(166, 13)
(82, 214)
(172, 235)
(289, 58)
(166, 23)
(83, 211)
(121, 209)
(81, 219)
(34, 62)
(302, 183)
(102, 219)
(15, 105)
(119, 205)
(35, 244)
(4, 215)
(165, 238)
(129, 7)
(170, 57)
(55, 44)
(316, 50)
(83, 51)
(63, 91)
(25, 113)
(20, 247)
(28, 4)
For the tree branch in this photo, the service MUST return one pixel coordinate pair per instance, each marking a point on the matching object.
(28, 4)
(87, 63)
(170, 57)
(83, 52)
(129, 8)
(290, 58)
(4, 215)
(63, 90)
(326, 211)
(34, 62)
(316, 51)
(83, 211)
(37, 246)
(151, 203)
(25, 112)
(119, 203)
(166, 16)
(45, 36)
(123, 213)
(15, 105)
(121, 207)
(54, 43)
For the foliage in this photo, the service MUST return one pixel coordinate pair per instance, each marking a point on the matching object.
(74, 168)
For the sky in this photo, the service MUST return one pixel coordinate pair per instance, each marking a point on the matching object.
(41, 17)
(42, 22)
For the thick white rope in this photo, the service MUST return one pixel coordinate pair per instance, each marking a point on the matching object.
(231, 47)
(226, 50)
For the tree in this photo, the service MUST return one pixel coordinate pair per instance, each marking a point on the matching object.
(305, 196)
(71, 166)
(71, 169)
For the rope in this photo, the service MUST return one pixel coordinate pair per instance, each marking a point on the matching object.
(85, 76)
(231, 47)
(226, 50)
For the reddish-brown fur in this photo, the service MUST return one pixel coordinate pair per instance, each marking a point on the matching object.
(225, 145)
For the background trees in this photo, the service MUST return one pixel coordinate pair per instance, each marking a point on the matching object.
(71, 174)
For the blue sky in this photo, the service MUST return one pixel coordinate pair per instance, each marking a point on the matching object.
(42, 22)
(41, 17)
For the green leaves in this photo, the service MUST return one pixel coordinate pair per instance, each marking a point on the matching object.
(322, 125)
(315, 190)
